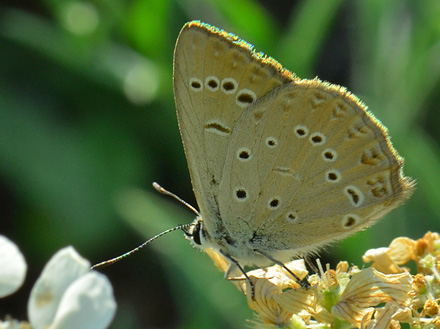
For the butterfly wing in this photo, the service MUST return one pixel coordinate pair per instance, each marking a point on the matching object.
(316, 167)
(216, 76)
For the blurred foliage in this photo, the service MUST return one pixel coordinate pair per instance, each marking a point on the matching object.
(87, 122)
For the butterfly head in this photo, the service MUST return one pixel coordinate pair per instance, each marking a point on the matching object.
(196, 233)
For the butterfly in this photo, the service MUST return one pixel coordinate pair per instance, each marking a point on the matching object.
(280, 166)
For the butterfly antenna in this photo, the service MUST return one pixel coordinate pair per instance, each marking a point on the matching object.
(106, 263)
(183, 227)
(160, 189)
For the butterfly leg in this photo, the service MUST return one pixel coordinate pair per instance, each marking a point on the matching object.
(303, 283)
(232, 267)
(311, 265)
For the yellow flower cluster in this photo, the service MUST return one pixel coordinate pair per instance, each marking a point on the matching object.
(384, 295)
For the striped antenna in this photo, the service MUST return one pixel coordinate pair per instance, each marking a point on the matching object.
(182, 227)
(117, 259)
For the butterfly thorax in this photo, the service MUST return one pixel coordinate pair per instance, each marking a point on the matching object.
(243, 250)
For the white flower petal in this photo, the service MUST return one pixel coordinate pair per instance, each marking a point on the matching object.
(87, 304)
(12, 267)
(62, 269)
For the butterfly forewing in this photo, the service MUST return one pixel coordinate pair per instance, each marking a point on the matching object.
(216, 76)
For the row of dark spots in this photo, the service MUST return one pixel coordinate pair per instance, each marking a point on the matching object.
(245, 98)
(227, 85)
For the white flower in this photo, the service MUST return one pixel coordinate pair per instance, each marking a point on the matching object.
(12, 267)
(69, 295)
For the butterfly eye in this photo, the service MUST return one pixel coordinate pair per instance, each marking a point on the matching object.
(195, 234)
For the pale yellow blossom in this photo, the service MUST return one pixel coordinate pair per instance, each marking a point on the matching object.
(369, 288)
(380, 297)
(383, 318)
(387, 260)
(264, 303)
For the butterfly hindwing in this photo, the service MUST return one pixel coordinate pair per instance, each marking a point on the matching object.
(318, 168)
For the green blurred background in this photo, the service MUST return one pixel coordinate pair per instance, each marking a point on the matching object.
(87, 123)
